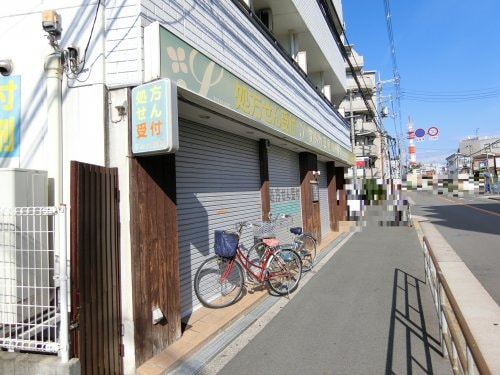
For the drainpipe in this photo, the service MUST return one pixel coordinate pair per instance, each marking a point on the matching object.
(53, 71)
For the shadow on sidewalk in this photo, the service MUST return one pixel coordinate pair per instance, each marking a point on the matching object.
(410, 343)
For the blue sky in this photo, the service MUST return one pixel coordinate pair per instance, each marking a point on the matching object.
(447, 54)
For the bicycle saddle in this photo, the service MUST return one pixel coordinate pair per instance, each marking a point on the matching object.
(296, 230)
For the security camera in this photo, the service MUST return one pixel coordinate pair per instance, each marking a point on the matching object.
(122, 109)
(6, 67)
(50, 23)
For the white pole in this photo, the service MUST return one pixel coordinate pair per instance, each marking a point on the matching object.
(63, 288)
(53, 71)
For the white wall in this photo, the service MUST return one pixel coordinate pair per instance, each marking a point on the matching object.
(117, 129)
(23, 41)
(123, 48)
(323, 36)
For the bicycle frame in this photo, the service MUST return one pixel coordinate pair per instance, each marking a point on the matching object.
(244, 262)
(260, 276)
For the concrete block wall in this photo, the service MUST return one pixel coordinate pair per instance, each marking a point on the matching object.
(37, 364)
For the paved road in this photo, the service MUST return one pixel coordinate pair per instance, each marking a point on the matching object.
(367, 310)
(471, 225)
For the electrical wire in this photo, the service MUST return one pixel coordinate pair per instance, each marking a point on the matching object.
(90, 37)
(341, 45)
(450, 97)
(395, 73)
(77, 71)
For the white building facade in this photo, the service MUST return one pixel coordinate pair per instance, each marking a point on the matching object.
(360, 107)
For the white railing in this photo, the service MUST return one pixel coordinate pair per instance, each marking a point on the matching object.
(456, 339)
(33, 280)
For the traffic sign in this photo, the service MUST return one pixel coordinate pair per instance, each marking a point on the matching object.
(419, 134)
(433, 133)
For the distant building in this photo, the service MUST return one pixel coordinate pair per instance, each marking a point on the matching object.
(368, 142)
(457, 163)
(482, 152)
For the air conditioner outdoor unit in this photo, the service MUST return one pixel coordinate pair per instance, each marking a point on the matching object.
(25, 274)
(266, 17)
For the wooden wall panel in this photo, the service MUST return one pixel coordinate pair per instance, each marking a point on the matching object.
(155, 258)
(264, 178)
(342, 202)
(311, 216)
(332, 195)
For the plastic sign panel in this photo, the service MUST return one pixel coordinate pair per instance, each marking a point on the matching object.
(171, 57)
(155, 128)
(10, 116)
(419, 134)
(433, 133)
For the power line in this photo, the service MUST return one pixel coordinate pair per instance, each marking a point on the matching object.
(443, 97)
(395, 73)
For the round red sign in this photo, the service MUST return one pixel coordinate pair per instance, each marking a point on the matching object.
(432, 131)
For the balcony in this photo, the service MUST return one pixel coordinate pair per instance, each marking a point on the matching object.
(303, 33)
(367, 83)
(365, 127)
(356, 60)
(358, 106)
(367, 150)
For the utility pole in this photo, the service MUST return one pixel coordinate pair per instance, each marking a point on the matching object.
(353, 141)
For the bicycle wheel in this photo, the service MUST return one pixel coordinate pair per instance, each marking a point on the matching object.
(283, 271)
(218, 282)
(307, 251)
(255, 255)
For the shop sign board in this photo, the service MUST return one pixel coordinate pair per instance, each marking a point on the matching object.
(10, 116)
(155, 118)
(193, 71)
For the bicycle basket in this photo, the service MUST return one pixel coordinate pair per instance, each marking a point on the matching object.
(264, 230)
(226, 243)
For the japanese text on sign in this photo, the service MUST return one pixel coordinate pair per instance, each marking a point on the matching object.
(10, 114)
(154, 118)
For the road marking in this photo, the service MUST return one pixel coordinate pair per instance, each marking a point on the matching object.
(468, 205)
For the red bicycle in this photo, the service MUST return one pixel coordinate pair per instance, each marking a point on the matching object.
(220, 280)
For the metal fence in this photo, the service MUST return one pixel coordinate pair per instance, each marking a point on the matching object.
(33, 280)
(457, 340)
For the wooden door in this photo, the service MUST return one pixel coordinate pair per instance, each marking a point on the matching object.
(95, 269)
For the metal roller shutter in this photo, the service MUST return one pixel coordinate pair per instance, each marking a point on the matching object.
(323, 199)
(284, 186)
(218, 185)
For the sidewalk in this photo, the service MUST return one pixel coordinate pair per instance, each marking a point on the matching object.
(204, 324)
(367, 310)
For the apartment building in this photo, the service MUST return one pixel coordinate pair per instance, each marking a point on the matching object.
(158, 122)
(360, 107)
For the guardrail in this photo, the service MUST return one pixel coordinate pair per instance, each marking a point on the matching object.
(33, 280)
(459, 342)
